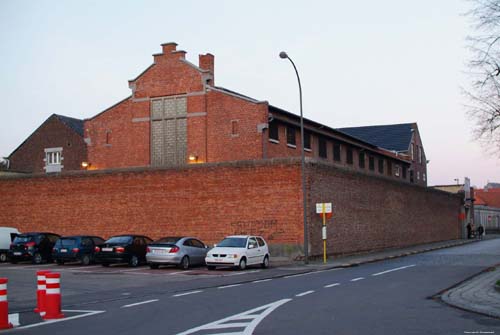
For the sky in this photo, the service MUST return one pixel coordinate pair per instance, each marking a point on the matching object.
(361, 63)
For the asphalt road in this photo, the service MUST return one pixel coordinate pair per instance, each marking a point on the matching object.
(389, 297)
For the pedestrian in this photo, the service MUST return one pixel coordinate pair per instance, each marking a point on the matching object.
(480, 232)
(469, 230)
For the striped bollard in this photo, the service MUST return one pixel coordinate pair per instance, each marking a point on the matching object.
(53, 296)
(4, 305)
(40, 291)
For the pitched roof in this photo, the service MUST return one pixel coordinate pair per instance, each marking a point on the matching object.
(490, 198)
(75, 124)
(395, 137)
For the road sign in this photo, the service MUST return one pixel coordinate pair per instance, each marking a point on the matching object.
(328, 207)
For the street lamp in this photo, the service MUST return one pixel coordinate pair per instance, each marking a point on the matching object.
(284, 55)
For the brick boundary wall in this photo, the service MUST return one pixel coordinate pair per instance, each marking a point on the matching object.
(372, 213)
(210, 201)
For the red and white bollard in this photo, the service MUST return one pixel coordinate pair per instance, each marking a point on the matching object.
(4, 305)
(40, 291)
(53, 296)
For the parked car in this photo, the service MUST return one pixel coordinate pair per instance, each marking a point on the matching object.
(35, 246)
(76, 248)
(129, 249)
(180, 251)
(7, 235)
(239, 251)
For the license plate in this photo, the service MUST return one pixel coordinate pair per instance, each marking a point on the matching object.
(64, 250)
(17, 254)
(107, 249)
(160, 251)
(218, 260)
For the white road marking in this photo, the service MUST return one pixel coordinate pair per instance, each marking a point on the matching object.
(299, 275)
(228, 286)
(391, 270)
(247, 320)
(304, 293)
(14, 319)
(80, 267)
(261, 281)
(176, 273)
(131, 270)
(332, 285)
(356, 279)
(87, 313)
(139, 303)
(186, 293)
(241, 273)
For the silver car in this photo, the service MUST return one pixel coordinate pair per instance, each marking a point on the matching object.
(180, 251)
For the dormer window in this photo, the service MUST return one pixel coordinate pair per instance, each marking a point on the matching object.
(53, 160)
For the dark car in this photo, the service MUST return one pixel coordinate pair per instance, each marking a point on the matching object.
(36, 247)
(129, 249)
(77, 248)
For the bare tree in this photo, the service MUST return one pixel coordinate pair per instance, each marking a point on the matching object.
(484, 94)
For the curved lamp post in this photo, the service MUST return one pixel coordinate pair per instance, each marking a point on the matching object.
(284, 55)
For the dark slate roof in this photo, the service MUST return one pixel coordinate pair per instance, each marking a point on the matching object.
(75, 124)
(395, 137)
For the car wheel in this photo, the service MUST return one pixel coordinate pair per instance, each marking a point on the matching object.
(3, 257)
(210, 267)
(265, 262)
(105, 264)
(154, 266)
(243, 264)
(37, 258)
(59, 262)
(85, 260)
(134, 261)
(184, 263)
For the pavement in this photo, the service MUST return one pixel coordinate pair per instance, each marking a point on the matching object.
(476, 294)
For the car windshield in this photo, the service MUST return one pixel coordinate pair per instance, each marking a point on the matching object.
(233, 242)
(120, 239)
(24, 238)
(66, 242)
(171, 240)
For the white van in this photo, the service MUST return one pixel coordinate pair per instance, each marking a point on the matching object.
(7, 235)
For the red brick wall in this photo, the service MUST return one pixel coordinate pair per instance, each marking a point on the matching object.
(375, 213)
(53, 133)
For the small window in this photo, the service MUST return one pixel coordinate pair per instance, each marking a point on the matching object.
(234, 128)
(336, 152)
(420, 155)
(389, 168)
(418, 175)
(349, 158)
(274, 132)
(252, 241)
(381, 165)
(307, 140)
(53, 160)
(397, 171)
(261, 242)
(108, 137)
(404, 172)
(423, 176)
(361, 159)
(290, 136)
(412, 152)
(322, 147)
(197, 244)
(371, 163)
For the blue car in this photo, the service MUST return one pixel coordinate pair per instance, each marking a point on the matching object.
(80, 248)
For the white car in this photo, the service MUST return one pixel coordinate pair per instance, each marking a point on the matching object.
(239, 251)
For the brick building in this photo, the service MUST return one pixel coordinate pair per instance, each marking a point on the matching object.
(57, 145)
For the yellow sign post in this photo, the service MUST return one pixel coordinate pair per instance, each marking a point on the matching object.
(325, 210)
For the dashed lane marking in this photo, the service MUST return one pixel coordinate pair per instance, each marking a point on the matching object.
(241, 273)
(299, 275)
(391, 270)
(332, 285)
(228, 286)
(304, 293)
(246, 321)
(140, 303)
(356, 279)
(261, 281)
(186, 293)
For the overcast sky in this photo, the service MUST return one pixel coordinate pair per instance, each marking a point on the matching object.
(361, 63)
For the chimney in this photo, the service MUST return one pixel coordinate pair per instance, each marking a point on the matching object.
(167, 48)
(206, 62)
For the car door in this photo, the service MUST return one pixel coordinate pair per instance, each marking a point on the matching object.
(87, 245)
(263, 248)
(190, 251)
(200, 250)
(139, 247)
(252, 251)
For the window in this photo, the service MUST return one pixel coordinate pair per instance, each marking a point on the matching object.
(108, 137)
(336, 152)
(404, 172)
(290, 136)
(307, 140)
(412, 151)
(349, 155)
(423, 176)
(371, 163)
(361, 159)
(322, 147)
(397, 171)
(197, 244)
(381, 165)
(252, 241)
(389, 168)
(234, 128)
(418, 175)
(261, 242)
(273, 132)
(53, 159)
(420, 155)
